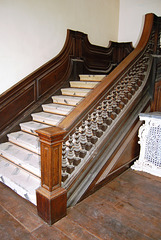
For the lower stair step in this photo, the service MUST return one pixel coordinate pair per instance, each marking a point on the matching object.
(80, 92)
(91, 77)
(47, 118)
(25, 140)
(57, 108)
(67, 100)
(22, 157)
(32, 126)
(22, 182)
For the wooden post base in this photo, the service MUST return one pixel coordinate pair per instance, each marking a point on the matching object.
(51, 206)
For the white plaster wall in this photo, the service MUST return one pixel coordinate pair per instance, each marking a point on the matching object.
(131, 18)
(34, 31)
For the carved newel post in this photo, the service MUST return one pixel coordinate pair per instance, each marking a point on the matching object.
(51, 197)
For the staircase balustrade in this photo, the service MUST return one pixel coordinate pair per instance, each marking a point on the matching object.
(97, 115)
(107, 107)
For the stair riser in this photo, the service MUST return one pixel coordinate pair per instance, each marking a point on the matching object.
(22, 182)
(82, 84)
(21, 157)
(57, 109)
(67, 100)
(31, 127)
(50, 119)
(75, 92)
(91, 77)
(26, 141)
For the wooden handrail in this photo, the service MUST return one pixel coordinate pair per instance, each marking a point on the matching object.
(79, 113)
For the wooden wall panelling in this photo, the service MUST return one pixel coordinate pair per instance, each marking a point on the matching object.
(121, 50)
(43, 80)
(51, 76)
(17, 103)
(156, 104)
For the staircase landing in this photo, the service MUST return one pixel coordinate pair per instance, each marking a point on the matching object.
(129, 207)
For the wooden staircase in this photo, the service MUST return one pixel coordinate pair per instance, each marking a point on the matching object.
(88, 134)
(20, 156)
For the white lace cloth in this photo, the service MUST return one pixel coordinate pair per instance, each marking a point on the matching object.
(150, 144)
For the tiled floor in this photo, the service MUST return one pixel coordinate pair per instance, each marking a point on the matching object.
(127, 208)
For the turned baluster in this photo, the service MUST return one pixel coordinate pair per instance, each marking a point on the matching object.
(123, 97)
(99, 122)
(109, 120)
(126, 80)
(113, 94)
(134, 84)
(94, 128)
(89, 133)
(110, 113)
(139, 72)
(130, 88)
(83, 140)
(119, 102)
(111, 106)
(138, 81)
(70, 155)
(115, 105)
(109, 99)
(104, 115)
(64, 163)
(119, 90)
(128, 95)
(77, 159)
(122, 86)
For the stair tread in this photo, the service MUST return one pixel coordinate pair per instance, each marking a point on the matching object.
(67, 100)
(82, 92)
(86, 77)
(22, 157)
(48, 118)
(57, 108)
(83, 84)
(32, 126)
(19, 180)
(25, 140)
